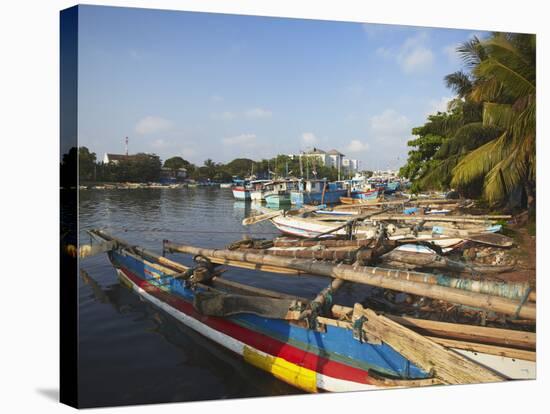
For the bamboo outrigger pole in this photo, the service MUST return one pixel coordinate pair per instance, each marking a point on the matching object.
(384, 278)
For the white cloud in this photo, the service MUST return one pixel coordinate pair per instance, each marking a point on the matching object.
(389, 123)
(438, 105)
(451, 53)
(356, 146)
(414, 55)
(188, 152)
(309, 138)
(152, 124)
(159, 143)
(417, 60)
(243, 139)
(216, 98)
(258, 113)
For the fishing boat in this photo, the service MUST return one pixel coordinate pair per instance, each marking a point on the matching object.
(314, 225)
(288, 336)
(366, 195)
(264, 188)
(392, 186)
(241, 193)
(317, 192)
(306, 358)
(275, 200)
(258, 189)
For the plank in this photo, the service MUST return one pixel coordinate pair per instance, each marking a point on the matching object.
(446, 365)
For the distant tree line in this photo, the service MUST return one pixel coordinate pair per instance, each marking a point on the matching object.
(147, 168)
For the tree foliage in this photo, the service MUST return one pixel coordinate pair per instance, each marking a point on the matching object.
(486, 139)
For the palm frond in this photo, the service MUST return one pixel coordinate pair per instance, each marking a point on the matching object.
(459, 82)
(500, 115)
(512, 80)
(480, 161)
(471, 52)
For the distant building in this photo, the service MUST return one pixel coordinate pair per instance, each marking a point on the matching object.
(332, 158)
(350, 165)
(115, 158)
(169, 175)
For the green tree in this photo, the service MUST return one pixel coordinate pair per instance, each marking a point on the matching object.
(505, 84)
(137, 168)
(175, 163)
(86, 164)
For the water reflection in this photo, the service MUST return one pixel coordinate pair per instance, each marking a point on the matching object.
(131, 353)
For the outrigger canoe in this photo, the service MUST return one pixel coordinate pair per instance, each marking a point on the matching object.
(268, 329)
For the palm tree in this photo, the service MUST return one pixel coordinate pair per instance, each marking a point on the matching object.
(504, 81)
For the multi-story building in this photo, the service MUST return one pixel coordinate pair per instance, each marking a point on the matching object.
(332, 158)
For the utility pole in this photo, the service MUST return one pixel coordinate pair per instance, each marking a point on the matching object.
(126, 146)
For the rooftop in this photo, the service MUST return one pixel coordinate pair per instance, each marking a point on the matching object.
(315, 151)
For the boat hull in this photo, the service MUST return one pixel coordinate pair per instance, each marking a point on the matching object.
(241, 193)
(304, 197)
(310, 360)
(276, 200)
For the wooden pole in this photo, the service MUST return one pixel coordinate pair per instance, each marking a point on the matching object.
(384, 278)
(446, 365)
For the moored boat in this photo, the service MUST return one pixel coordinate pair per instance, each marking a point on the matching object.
(281, 198)
(241, 193)
(317, 192)
(312, 360)
(323, 350)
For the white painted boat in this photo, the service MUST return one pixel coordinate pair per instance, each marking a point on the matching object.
(310, 227)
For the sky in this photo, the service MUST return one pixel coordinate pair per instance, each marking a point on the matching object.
(203, 85)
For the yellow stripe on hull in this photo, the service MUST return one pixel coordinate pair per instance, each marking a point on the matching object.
(288, 372)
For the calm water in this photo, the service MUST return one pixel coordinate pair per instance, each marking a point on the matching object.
(132, 353)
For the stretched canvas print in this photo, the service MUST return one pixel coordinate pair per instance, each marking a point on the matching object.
(257, 206)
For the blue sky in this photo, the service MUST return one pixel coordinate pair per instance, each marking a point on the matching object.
(203, 85)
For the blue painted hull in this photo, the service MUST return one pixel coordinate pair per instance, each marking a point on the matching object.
(336, 345)
(331, 197)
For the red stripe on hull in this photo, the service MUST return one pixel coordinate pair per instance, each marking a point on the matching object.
(257, 340)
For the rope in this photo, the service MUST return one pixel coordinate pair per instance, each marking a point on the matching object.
(522, 302)
(358, 329)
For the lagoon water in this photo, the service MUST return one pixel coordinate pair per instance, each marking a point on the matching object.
(133, 353)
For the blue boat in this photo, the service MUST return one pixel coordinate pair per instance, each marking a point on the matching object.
(392, 187)
(330, 357)
(317, 192)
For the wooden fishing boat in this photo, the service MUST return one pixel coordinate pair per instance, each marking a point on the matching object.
(361, 201)
(366, 195)
(241, 193)
(317, 192)
(264, 188)
(308, 359)
(291, 337)
(309, 227)
(275, 200)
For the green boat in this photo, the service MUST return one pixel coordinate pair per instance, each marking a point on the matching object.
(282, 198)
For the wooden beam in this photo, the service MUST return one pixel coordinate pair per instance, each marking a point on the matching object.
(469, 333)
(374, 276)
(446, 365)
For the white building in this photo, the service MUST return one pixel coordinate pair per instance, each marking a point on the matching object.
(350, 165)
(333, 158)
